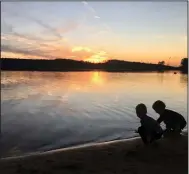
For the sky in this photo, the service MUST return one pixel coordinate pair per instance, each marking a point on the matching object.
(95, 31)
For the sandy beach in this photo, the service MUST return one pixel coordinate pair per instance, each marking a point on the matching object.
(124, 156)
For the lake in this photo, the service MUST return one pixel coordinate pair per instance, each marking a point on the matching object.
(42, 111)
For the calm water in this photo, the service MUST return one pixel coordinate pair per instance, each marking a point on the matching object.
(42, 110)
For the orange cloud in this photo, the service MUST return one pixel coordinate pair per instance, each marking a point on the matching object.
(28, 46)
(17, 55)
(98, 57)
(90, 55)
(80, 48)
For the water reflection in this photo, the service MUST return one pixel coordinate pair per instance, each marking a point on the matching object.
(56, 84)
(160, 76)
(60, 109)
(184, 79)
(97, 78)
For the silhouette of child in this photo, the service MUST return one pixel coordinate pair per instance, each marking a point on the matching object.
(174, 121)
(150, 130)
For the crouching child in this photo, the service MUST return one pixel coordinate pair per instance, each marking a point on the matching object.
(150, 130)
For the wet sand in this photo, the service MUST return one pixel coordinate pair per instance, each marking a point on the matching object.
(166, 156)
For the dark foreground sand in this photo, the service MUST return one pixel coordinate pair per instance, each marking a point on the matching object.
(167, 156)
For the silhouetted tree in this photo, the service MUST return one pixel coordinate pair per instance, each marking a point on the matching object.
(161, 63)
(184, 64)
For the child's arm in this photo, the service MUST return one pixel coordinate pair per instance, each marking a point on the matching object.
(160, 119)
(136, 131)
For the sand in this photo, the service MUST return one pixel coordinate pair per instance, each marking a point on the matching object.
(166, 156)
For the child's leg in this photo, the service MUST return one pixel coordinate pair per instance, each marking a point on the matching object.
(142, 134)
(156, 136)
(177, 128)
(167, 131)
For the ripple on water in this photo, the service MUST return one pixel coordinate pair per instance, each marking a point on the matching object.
(44, 111)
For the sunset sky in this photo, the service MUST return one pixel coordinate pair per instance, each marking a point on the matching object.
(95, 31)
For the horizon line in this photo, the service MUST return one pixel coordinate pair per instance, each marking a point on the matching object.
(88, 61)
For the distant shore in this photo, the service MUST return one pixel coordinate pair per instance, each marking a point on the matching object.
(94, 70)
(63, 65)
(166, 156)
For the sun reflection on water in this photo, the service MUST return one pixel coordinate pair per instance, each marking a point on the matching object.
(97, 78)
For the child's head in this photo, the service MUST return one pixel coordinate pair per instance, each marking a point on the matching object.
(141, 110)
(159, 106)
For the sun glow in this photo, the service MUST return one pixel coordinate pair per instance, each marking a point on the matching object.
(95, 60)
(98, 57)
(96, 78)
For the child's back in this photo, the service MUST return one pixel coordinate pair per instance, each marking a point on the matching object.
(150, 129)
(173, 120)
(150, 124)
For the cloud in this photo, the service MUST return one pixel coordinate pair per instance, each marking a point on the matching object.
(91, 9)
(68, 26)
(82, 52)
(52, 31)
(76, 52)
(98, 57)
(9, 28)
(33, 52)
(22, 44)
(43, 46)
(19, 43)
(20, 40)
(88, 54)
(97, 17)
(94, 13)
(80, 48)
(47, 27)
(86, 4)
(54, 34)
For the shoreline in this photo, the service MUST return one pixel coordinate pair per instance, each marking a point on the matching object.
(77, 147)
(121, 156)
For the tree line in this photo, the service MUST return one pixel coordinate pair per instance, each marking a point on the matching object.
(74, 65)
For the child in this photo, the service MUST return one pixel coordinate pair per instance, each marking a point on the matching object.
(150, 130)
(174, 121)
